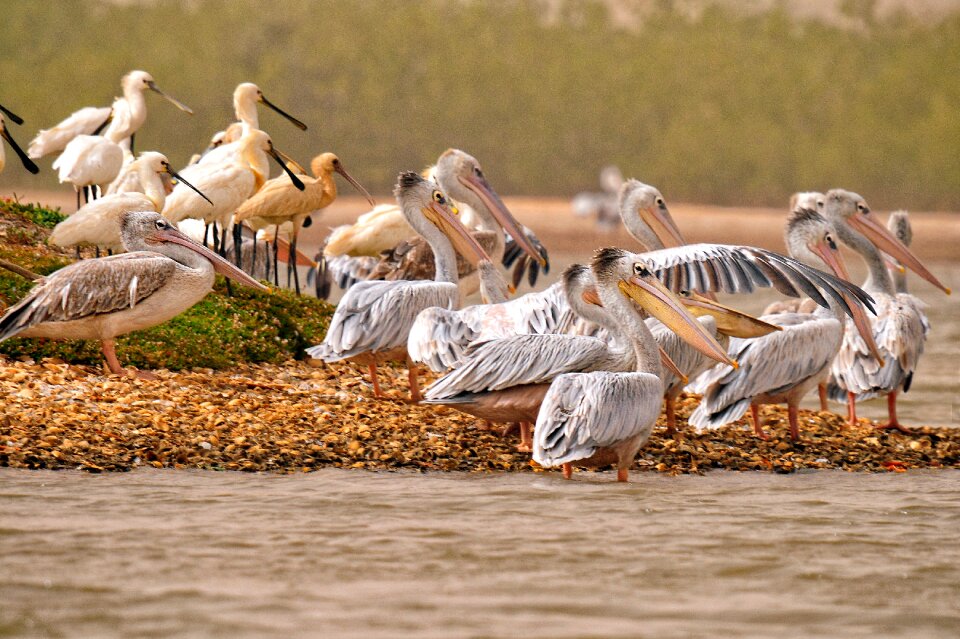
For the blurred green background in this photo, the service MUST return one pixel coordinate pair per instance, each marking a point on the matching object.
(714, 105)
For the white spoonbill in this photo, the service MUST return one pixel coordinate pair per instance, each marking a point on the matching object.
(164, 274)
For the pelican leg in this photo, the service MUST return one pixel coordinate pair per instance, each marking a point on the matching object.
(622, 474)
(108, 346)
(852, 408)
(894, 423)
(376, 384)
(792, 418)
(757, 424)
(412, 374)
(822, 389)
(670, 410)
(526, 437)
(567, 471)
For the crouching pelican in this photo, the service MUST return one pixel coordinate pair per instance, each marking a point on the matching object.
(163, 274)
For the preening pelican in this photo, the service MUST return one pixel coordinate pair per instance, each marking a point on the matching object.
(279, 201)
(782, 367)
(898, 328)
(97, 223)
(28, 164)
(164, 274)
(373, 320)
(600, 418)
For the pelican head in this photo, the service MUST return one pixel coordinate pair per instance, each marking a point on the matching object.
(27, 162)
(809, 238)
(150, 231)
(644, 213)
(852, 219)
(806, 200)
(621, 274)
(328, 163)
(428, 210)
(461, 176)
(141, 81)
(247, 95)
(899, 224)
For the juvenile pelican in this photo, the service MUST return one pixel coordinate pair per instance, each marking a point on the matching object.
(279, 201)
(373, 319)
(784, 366)
(898, 328)
(97, 223)
(600, 418)
(27, 162)
(164, 274)
(128, 113)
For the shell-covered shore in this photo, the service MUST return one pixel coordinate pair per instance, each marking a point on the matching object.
(295, 417)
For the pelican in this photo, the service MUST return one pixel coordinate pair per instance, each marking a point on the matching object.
(497, 378)
(164, 274)
(128, 112)
(600, 418)
(279, 201)
(373, 319)
(97, 223)
(227, 184)
(28, 164)
(809, 200)
(784, 366)
(898, 329)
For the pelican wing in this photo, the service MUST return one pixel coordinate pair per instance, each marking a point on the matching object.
(900, 330)
(90, 287)
(585, 411)
(741, 269)
(770, 364)
(82, 122)
(377, 316)
(514, 361)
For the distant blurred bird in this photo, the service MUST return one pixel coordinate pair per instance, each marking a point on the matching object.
(602, 205)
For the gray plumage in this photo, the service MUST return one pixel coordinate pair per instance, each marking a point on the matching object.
(583, 412)
(89, 287)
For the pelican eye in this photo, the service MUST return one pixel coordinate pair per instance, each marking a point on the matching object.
(478, 172)
(438, 197)
(161, 225)
(830, 242)
(641, 270)
(661, 203)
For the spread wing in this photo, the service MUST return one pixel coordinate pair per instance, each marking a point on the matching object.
(377, 316)
(90, 287)
(769, 364)
(518, 360)
(584, 411)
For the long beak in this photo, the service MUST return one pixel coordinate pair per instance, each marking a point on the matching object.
(180, 179)
(297, 182)
(10, 114)
(889, 244)
(220, 265)
(893, 265)
(177, 103)
(349, 178)
(834, 260)
(462, 241)
(297, 123)
(671, 366)
(28, 164)
(661, 303)
(289, 160)
(730, 321)
(660, 221)
(493, 202)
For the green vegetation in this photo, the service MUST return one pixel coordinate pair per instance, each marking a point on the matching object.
(219, 331)
(724, 107)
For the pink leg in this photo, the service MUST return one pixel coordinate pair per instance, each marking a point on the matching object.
(622, 474)
(852, 408)
(567, 471)
(822, 389)
(108, 347)
(415, 395)
(526, 437)
(894, 423)
(757, 426)
(376, 384)
(792, 414)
